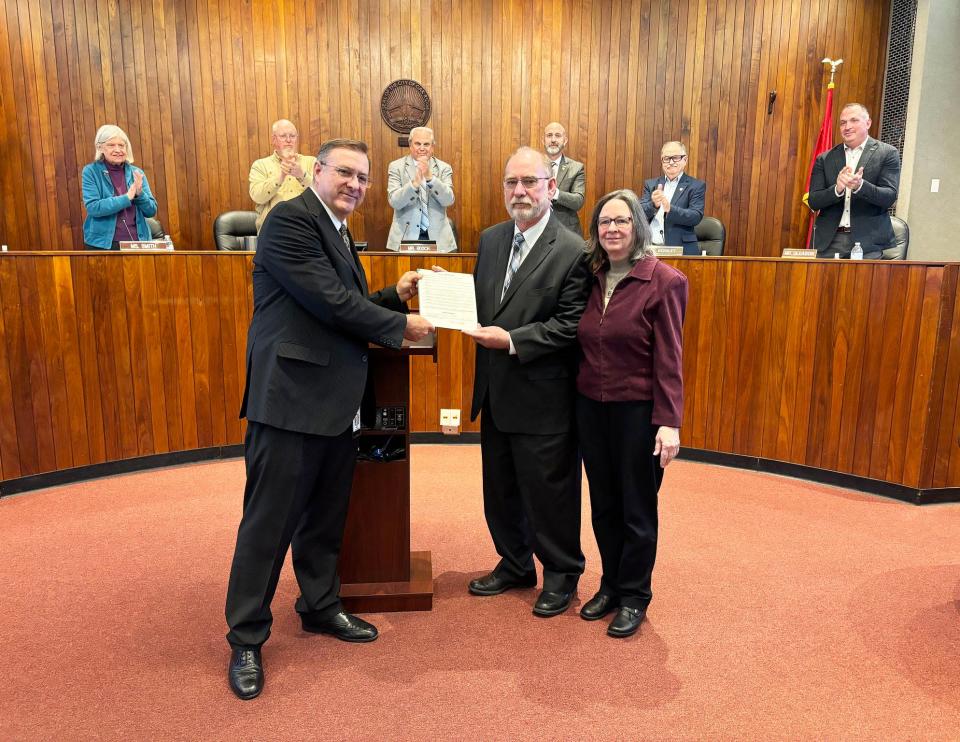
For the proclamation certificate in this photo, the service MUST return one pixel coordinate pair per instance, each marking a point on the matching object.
(448, 300)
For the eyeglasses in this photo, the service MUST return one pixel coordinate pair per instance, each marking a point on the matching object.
(529, 181)
(289, 137)
(348, 174)
(672, 159)
(621, 222)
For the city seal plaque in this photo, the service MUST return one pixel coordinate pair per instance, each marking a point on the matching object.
(405, 105)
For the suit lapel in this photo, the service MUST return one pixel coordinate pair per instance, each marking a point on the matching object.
(870, 146)
(561, 171)
(536, 256)
(331, 235)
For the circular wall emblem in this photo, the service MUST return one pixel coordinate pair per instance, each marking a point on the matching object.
(405, 105)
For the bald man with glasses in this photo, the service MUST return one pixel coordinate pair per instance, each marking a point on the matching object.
(282, 175)
(674, 202)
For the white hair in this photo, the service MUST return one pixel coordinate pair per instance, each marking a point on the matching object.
(104, 134)
(426, 129)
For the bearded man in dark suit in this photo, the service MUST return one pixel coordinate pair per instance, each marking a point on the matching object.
(531, 282)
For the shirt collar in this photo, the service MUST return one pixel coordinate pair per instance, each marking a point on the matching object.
(855, 149)
(533, 233)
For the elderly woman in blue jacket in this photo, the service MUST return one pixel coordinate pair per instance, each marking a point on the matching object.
(115, 193)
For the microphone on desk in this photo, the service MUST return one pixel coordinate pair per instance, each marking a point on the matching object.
(126, 226)
(813, 235)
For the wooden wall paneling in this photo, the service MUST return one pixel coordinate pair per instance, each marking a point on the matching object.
(830, 393)
(170, 349)
(774, 375)
(137, 343)
(886, 379)
(926, 404)
(198, 336)
(947, 443)
(791, 312)
(214, 345)
(119, 354)
(54, 349)
(149, 301)
(847, 436)
(230, 348)
(823, 380)
(87, 323)
(721, 317)
(197, 87)
(732, 351)
(186, 382)
(907, 372)
(691, 332)
(805, 369)
(9, 430)
(698, 385)
(877, 301)
(34, 375)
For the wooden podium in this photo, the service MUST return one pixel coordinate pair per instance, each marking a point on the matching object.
(378, 572)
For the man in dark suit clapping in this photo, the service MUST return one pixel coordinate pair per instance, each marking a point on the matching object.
(674, 202)
(531, 284)
(852, 186)
(306, 372)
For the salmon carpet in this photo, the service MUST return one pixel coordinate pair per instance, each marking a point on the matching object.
(782, 610)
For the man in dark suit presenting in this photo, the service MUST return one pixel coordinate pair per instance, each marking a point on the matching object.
(674, 202)
(531, 284)
(852, 186)
(306, 372)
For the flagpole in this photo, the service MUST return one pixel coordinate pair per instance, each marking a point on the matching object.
(824, 140)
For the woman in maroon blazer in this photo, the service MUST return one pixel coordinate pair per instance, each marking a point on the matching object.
(629, 402)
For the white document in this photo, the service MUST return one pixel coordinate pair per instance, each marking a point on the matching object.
(448, 299)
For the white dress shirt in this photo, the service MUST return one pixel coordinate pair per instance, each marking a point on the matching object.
(659, 219)
(853, 159)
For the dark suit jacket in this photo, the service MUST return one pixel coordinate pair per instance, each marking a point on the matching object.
(571, 191)
(532, 391)
(312, 320)
(869, 220)
(686, 211)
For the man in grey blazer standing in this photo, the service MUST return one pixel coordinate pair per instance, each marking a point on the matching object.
(420, 188)
(531, 282)
(852, 186)
(571, 180)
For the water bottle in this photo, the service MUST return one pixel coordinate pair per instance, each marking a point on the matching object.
(168, 243)
(857, 252)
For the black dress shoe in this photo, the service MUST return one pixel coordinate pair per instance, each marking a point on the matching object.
(626, 622)
(342, 625)
(551, 603)
(599, 606)
(245, 673)
(494, 584)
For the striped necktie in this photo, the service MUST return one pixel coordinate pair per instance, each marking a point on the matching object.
(514, 264)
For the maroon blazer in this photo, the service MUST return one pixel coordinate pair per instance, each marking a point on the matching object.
(636, 351)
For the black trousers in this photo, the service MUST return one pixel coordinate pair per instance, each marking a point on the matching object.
(113, 246)
(297, 494)
(617, 440)
(531, 499)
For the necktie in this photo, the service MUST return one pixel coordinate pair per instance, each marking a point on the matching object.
(513, 265)
(345, 236)
(424, 218)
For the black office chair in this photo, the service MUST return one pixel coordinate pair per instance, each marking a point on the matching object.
(156, 228)
(901, 240)
(232, 230)
(711, 235)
